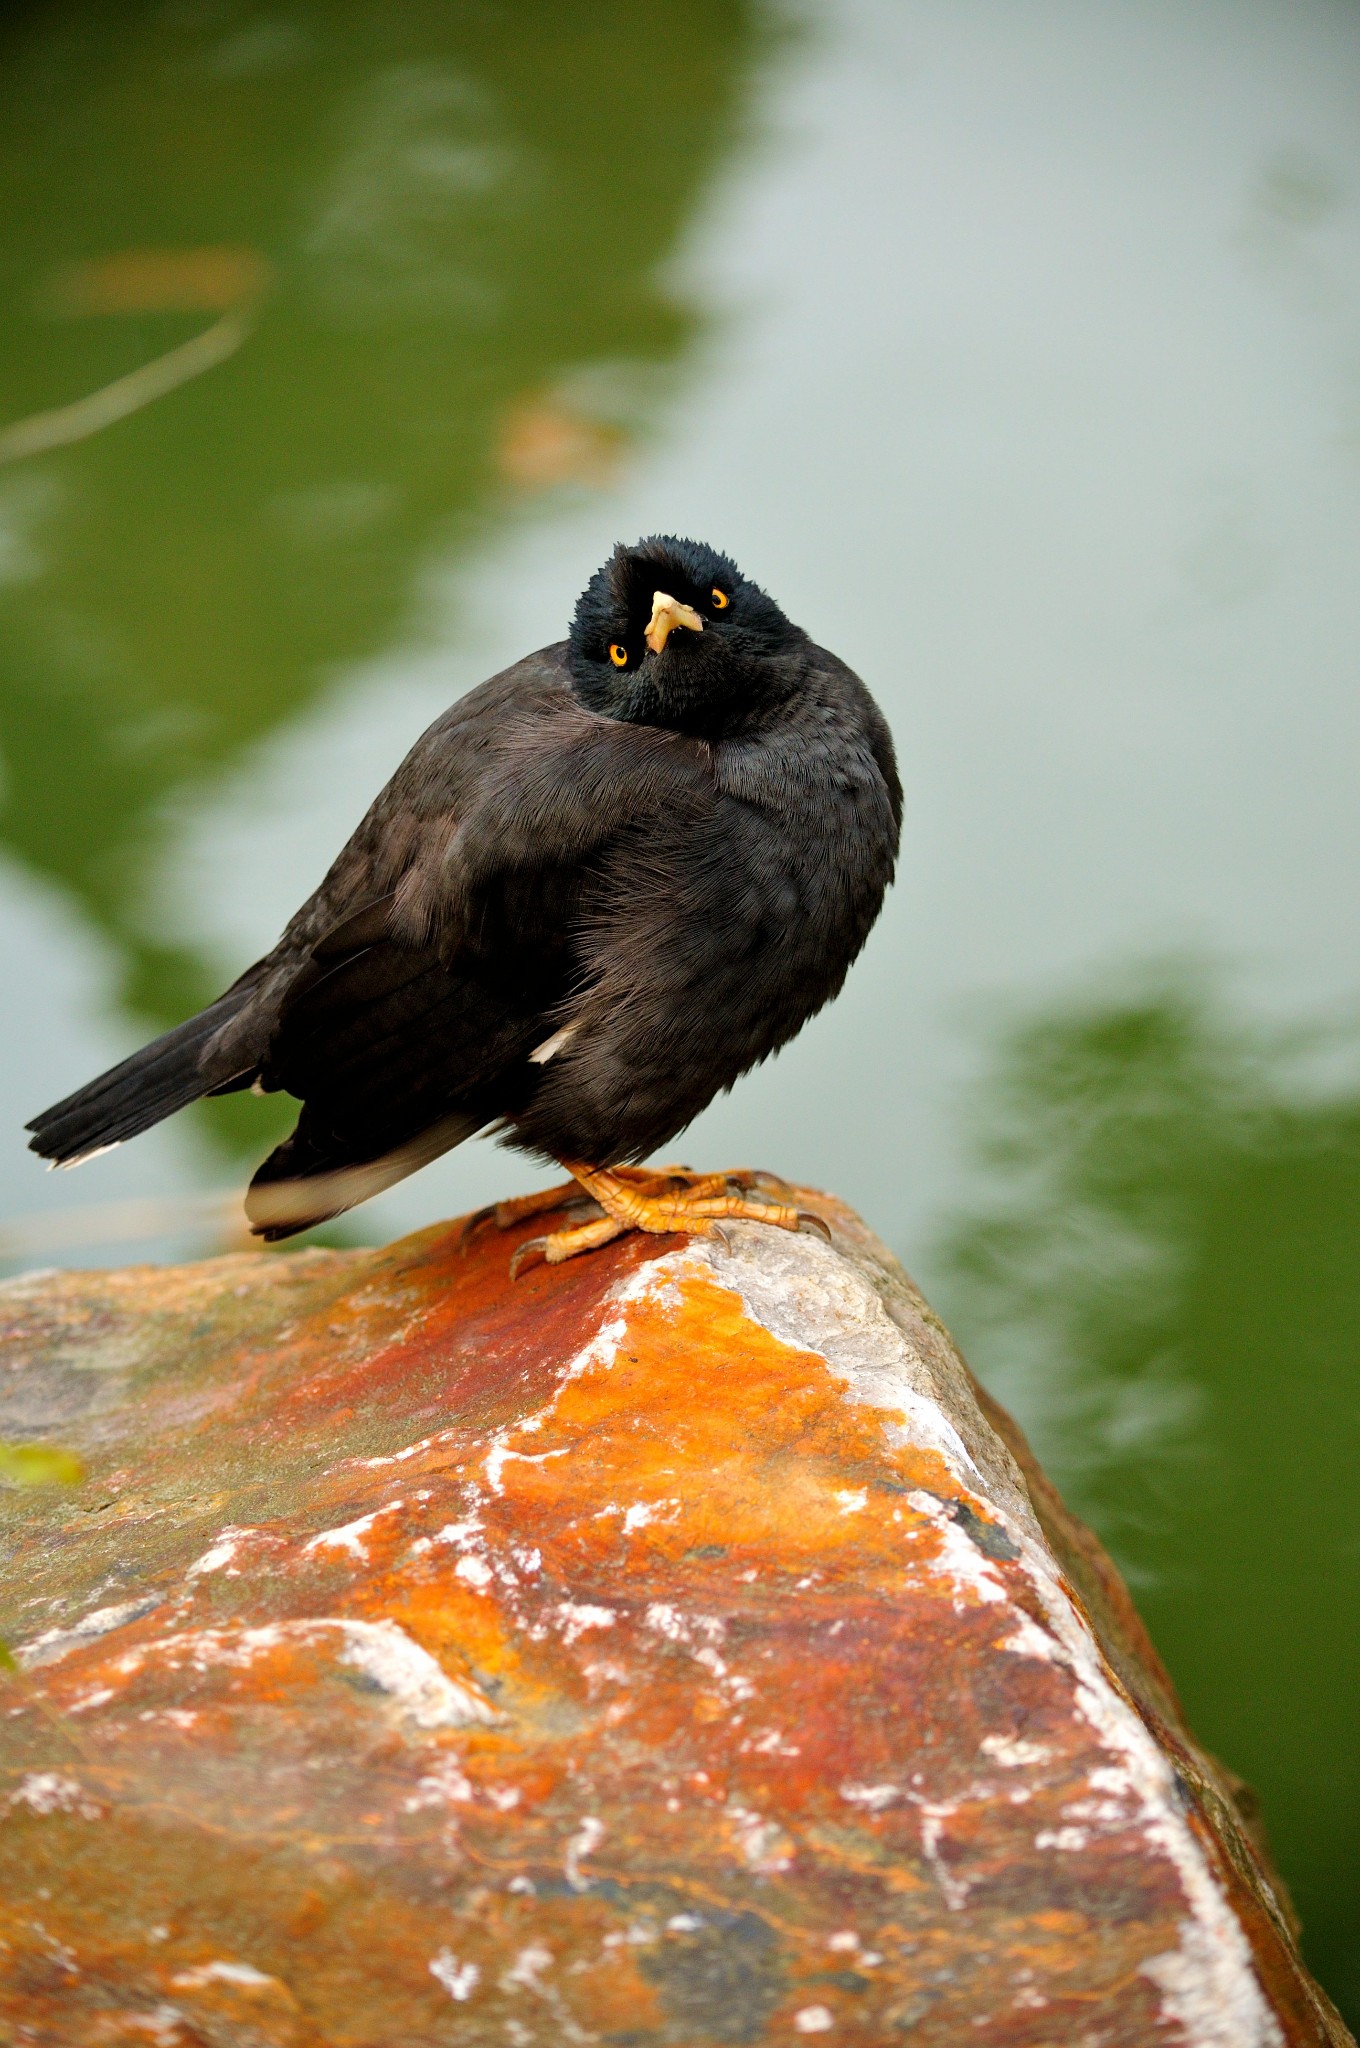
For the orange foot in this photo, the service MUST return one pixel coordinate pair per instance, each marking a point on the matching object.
(635, 1198)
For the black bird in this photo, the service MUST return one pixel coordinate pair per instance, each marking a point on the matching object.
(597, 890)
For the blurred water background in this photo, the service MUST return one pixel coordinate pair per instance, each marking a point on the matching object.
(1016, 347)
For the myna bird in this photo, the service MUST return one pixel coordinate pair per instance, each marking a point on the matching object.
(597, 890)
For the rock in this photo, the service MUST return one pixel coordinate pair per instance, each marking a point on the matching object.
(674, 1647)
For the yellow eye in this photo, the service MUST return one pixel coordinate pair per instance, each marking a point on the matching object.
(618, 655)
(720, 600)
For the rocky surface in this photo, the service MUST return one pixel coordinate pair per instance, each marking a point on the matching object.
(666, 1649)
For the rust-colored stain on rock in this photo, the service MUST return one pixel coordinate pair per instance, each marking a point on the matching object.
(667, 1648)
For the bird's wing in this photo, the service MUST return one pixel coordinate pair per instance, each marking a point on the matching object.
(517, 777)
(553, 787)
(410, 1017)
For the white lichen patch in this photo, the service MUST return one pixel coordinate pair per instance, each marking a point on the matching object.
(45, 1792)
(350, 1535)
(700, 1635)
(575, 1617)
(604, 1671)
(393, 1663)
(163, 2025)
(221, 1554)
(444, 1785)
(404, 1456)
(527, 1969)
(583, 1843)
(678, 1627)
(1027, 1639)
(100, 1621)
(460, 1980)
(667, 1621)
(1188, 1977)
(644, 1511)
(1061, 1838)
(1014, 1754)
(410, 1676)
(640, 1513)
(224, 1554)
(243, 1975)
(935, 1818)
(873, 1798)
(763, 1844)
(771, 1743)
(971, 1575)
(86, 1702)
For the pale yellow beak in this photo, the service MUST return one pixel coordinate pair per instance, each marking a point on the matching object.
(667, 614)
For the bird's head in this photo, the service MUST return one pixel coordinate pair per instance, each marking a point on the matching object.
(669, 632)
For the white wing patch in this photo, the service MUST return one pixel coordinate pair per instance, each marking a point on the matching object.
(550, 1047)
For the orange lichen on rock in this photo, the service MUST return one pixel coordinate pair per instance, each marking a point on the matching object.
(671, 1647)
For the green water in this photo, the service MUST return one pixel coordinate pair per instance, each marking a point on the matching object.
(1014, 347)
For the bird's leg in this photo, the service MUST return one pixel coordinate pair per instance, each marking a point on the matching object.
(681, 1184)
(651, 1202)
(568, 1194)
(671, 1199)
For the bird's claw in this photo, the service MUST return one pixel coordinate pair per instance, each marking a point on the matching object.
(472, 1224)
(817, 1224)
(537, 1246)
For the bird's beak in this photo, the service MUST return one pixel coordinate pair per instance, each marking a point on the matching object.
(667, 614)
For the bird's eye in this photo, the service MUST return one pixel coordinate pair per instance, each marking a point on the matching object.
(618, 655)
(720, 600)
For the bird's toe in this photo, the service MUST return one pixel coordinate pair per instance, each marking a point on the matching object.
(560, 1245)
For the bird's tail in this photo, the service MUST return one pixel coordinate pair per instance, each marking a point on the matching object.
(163, 1077)
(315, 1174)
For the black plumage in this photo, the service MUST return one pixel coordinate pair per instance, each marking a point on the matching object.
(598, 889)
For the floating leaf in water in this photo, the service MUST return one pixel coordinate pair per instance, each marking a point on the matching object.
(39, 1465)
(207, 280)
(545, 442)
